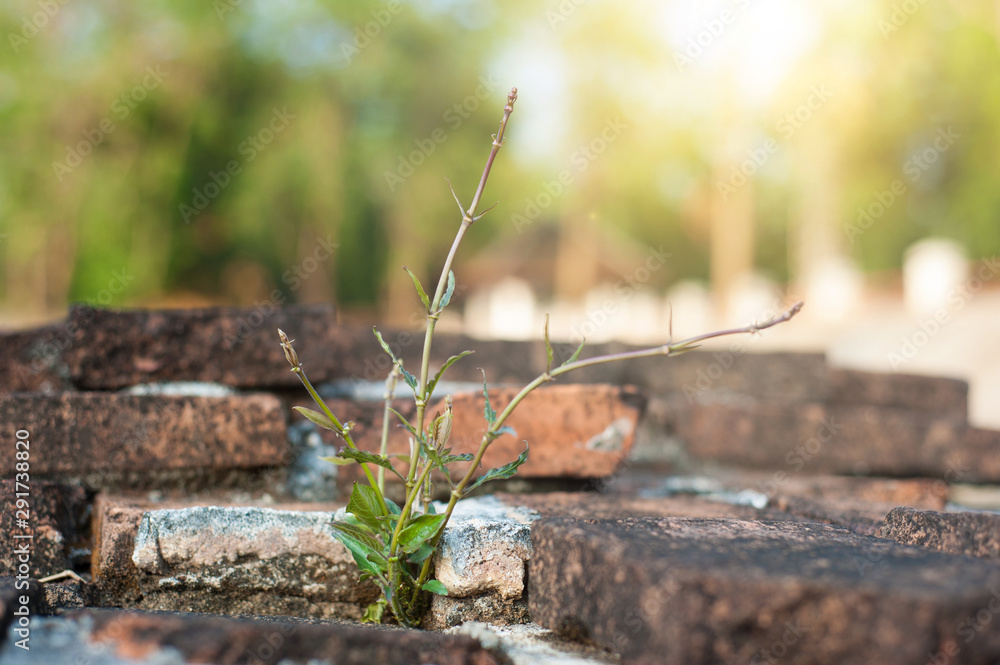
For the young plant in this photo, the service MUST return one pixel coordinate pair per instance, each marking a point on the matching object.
(394, 545)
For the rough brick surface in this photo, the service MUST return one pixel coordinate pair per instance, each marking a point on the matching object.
(838, 438)
(974, 534)
(929, 394)
(690, 591)
(166, 637)
(32, 360)
(234, 346)
(56, 516)
(576, 431)
(73, 434)
(226, 560)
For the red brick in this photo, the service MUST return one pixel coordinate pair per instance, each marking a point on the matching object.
(227, 641)
(576, 431)
(77, 433)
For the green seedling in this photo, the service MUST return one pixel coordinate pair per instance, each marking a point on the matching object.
(394, 545)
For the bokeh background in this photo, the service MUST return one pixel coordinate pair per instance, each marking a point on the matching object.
(713, 160)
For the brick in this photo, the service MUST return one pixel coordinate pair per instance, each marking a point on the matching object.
(691, 591)
(163, 637)
(55, 513)
(839, 438)
(32, 360)
(233, 346)
(976, 458)
(972, 533)
(576, 431)
(929, 394)
(237, 559)
(73, 434)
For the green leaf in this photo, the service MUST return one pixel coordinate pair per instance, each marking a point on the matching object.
(406, 423)
(385, 346)
(339, 461)
(505, 471)
(367, 457)
(448, 291)
(320, 419)
(432, 384)
(419, 531)
(435, 586)
(393, 507)
(488, 411)
(421, 554)
(411, 380)
(464, 457)
(576, 354)
(548, 347)
(364, 504)
(361, 542)
(379, 560)
(374, 612)
(420, 289)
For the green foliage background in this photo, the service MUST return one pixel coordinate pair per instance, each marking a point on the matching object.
(361, 101)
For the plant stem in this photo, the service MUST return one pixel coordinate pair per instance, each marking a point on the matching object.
(342, 431)
(468, 218)
(493, 432)
(390, 389)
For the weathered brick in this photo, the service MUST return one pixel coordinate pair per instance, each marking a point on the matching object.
(55, 513)
(691, 591)
(280, 560)
(228, 641)
(239, 347)
(577, 431)
(839, 438)
(73, 434)
(233, 346)
(33, 359)
(928, 394)
(974, 534)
